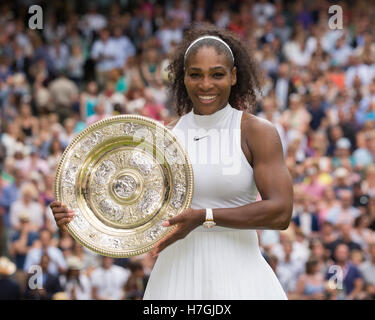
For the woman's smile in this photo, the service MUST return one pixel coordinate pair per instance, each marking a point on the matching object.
(207, 99)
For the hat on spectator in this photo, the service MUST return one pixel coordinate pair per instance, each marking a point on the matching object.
(341, 172)
(74, 263)
(343, 143)
(24, 216)
(61, 295)
(29, 188)
(7, 267)
(295, 97)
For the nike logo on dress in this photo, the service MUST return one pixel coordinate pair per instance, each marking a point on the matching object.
(198, 138)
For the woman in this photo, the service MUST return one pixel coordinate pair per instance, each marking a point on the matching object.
(368, 184)
(327, 202)
(76, 284)
(310, 285)
(89, 100)
(212, 79)
(27, 122)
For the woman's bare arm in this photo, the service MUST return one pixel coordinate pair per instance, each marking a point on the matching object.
(272, 179)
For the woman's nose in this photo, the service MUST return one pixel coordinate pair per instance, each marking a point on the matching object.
(205, 84)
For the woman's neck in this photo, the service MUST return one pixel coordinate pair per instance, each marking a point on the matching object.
(198, 112)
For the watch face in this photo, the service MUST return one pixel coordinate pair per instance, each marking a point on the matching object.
(209, 224)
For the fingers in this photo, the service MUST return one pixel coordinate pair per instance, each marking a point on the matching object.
(168, 240)
(62, 214)
(60, 208)
(59, 216)
(172, 221)
(63, 222)
(55, 204)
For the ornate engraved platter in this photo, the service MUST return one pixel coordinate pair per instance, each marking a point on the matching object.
(123, 176)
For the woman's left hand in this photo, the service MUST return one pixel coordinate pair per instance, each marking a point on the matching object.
(186, 221)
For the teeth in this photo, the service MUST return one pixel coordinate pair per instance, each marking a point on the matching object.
(206, 97)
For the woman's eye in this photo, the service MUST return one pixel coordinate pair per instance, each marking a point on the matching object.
(218, 75)
(194, 75)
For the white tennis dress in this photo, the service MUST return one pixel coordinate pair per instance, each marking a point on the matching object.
(218, 263)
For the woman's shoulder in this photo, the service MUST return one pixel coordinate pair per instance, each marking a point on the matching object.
(256, 126)
(255, 132)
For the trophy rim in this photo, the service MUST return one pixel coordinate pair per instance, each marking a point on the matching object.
(92, 127)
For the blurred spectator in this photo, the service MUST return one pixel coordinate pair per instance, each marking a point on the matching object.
(75, 65)
(367, 269)
(368, 184)
(92, 20)
(170, 32)
(64, 93)
(59, 53)
(345, 236)
(361, 233)
(283, 86)
(342, 154)
(77, 285)
(136, 284)
(290, 266)
(27, 205)
(136, 100)
(89, 100)
(98, 115)
(152, 109)
(319, 252)
(47, 283)
(9, 289)
(89, 259)
(67, 133)
(23, 241)
(365, 156)
(286, 278)
(104, 53)
(10, 139)
(348, 277)
(65, 243)
(124, 47)
(27, 122)
(56, 263)
(344, 213)
(10, 194)
(311, 284)
(108, 281)
(296, 117)
(307, 218)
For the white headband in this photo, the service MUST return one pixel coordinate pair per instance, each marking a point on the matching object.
(209, 37)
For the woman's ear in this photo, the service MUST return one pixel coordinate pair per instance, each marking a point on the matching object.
(234, 76)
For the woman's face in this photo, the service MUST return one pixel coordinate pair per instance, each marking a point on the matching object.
(208, 80)
(25, 110)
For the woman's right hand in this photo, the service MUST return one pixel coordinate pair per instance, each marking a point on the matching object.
(62, 214)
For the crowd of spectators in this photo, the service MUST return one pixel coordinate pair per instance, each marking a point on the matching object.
(94, 59)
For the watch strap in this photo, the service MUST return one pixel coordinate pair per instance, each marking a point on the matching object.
(209, 214)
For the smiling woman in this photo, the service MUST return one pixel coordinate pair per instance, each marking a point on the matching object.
(214, 253)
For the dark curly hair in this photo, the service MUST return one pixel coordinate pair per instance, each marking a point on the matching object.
(243, 93)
